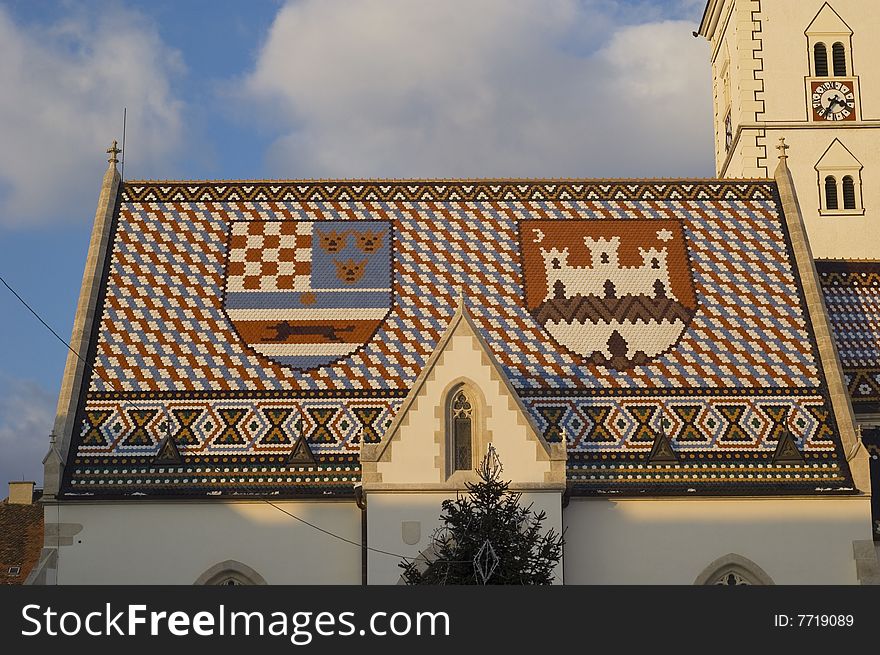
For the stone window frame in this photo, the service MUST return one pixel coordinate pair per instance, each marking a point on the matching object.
(230, 572)
(828, 41)
(728, 132)
(838, 174)
(740, 566)
(840, 171)
(481, 436)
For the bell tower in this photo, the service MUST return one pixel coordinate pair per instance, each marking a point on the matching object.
(808, 71)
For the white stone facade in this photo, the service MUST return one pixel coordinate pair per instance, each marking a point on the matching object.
(764, 71)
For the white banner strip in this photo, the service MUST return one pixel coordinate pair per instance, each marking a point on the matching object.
(341, 314)
(297, 349)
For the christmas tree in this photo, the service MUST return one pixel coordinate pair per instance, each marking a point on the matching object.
(487, 537)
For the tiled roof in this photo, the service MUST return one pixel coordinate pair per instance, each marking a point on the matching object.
(238, 318)
(21, 539)
(852, 297)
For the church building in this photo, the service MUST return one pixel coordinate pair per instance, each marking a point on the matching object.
(281, 381)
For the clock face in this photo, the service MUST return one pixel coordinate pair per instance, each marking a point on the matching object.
(833, 101)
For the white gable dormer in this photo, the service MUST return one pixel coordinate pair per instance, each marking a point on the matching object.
(829, 39)
(461, 402)
(462, 394)
(840, 181)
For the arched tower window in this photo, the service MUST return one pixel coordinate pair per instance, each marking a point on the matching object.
(461, 420)
(830, 192)
(820, 59)
(849, 192)
(838, 57)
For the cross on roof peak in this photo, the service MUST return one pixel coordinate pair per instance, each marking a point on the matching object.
(782, 147)
(113, 151)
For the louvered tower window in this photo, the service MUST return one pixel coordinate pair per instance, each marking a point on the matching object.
(849, 193)
(838, 55)
(830, 192)
(820, 57)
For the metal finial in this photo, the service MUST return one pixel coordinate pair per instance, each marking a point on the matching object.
(113, 151)
(782, 148)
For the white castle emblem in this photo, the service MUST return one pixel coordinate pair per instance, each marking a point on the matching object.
(613, 315)
(605, 277)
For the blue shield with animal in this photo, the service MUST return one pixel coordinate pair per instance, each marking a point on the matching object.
(307, 293)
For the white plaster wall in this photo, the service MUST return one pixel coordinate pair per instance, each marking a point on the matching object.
(787, 60)
(387, 511)
(836, 236)
(775, 75)
(734, 42)
(175, 542)
(416, 451)
(660, 541)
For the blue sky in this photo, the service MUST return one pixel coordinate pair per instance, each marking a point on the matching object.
(226, 89)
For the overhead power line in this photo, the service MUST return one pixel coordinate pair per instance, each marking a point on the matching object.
(280, 509)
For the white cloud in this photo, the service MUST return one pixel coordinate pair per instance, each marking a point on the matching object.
(387, 88)
(27, 412)
(63, 90)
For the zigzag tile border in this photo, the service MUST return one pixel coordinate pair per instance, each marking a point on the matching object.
(443, 190)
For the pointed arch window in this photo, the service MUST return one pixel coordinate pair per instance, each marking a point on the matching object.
(849, 192)
(461, 421)
(230, 574)
(830, 192)
(820, 60)
(728, 132)
(838, 59)
(733, 570)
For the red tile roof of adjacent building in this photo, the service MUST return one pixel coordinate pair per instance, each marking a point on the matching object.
(21, 539)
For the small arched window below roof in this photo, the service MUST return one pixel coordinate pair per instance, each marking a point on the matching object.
(830, 193)
(838, 57)
(230, 574)
(461, 421)
(820, 60)
(733, 570)
(849, 193)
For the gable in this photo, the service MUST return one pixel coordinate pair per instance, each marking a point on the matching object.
(838, 157)
(828, 21)
(669, 302)
(417, 448)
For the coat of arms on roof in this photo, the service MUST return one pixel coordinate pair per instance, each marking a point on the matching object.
(307, 293)
(618, 293)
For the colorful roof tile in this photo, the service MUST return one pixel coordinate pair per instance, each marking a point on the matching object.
(852, 298)
(244, 319)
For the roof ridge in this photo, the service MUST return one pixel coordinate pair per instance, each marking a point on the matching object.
(457, 180)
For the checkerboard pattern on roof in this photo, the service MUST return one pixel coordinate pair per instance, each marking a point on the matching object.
(852, 298)
(167, 358)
